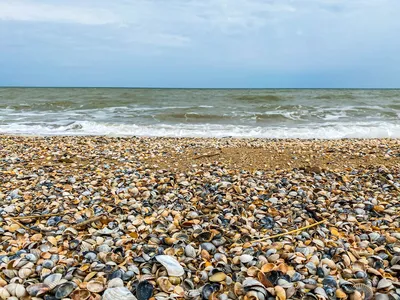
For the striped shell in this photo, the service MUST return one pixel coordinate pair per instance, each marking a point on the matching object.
(364, 289)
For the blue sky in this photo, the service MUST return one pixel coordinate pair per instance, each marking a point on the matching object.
(200, 43)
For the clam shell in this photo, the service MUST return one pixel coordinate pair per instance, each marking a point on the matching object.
(16, 289)
(4, 294)
(80, 295)
(365, 289)
(52, 280)
(63, 290)
(144, 290)
(118, 293)
(95, 286)
(37, 289)
(190, 251)
(217, 277)
(115, 282)
(171, 264)
(384, 284)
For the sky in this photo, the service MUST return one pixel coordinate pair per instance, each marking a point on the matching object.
(200, 43)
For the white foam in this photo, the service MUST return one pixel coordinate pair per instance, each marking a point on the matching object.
(326, 131)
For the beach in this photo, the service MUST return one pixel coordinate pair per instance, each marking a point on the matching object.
(199, 218)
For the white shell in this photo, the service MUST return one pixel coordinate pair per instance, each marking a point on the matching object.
(52, 280)
(4, 294)
(171, 264)
(118, 293)
(16, 289)
(190, 251)
(115, 282)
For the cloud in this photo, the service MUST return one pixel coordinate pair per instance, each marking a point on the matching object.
(281, 36)
(15, 10)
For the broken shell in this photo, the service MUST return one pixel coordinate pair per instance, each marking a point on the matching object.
(171, 264)
(95, 286)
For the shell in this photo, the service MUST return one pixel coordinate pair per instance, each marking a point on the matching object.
(52, 280)
(171, 264)
(80, 295)
(118, 293)
(4, 294)
(364, 289)
(164, 284)
(115, 282)
(144, 290)
(95, 286)
(217, 277)
(63, 290)
(384, 284)
(190, 251)
(15, 289)
(37, 289)
(24, 273)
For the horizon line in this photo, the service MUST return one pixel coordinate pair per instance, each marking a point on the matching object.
(199, 88)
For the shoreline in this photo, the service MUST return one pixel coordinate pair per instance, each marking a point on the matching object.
(236, 153)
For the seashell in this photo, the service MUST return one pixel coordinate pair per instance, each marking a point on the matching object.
(205, 236)
(357, 296)
(164, 284)
(171, 264)
(217, 277)
(208, 247)
(52, 280)
(63, 290)
(48, 264)
(379, 296)
(10, 273)
(95, 286)
(340, 294)
(320, 291)
(310, 296)
(384, 284)
(118, 293)
(209, 289)
(70, 231)
(347, 286)
(4, 294)
(280, 293)
(16, 289)
(106, 231)
(190, 251)
(365, 290)
(115, 282)
(103, 248)
(246, 258)
(250, 282)
(32, 257)
(37, 289)
(144, 290)
(80, 295)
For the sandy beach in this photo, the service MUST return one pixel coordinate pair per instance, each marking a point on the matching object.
(196, 218)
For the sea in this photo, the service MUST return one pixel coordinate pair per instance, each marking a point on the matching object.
(249, 113)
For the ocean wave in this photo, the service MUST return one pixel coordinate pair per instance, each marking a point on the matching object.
(260, 98)
(332, 131)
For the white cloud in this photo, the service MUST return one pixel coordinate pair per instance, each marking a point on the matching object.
(15, 10)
